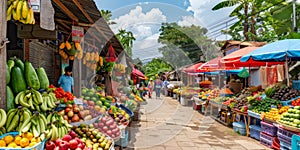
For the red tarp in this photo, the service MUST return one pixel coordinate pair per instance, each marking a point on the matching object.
(138, 73)
(214, 65)
(192, 68)
(233, 59)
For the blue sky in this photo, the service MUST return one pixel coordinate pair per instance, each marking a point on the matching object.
(144, 17)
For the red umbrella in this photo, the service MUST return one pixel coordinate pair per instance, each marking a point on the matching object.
(214, 65)
(193, 68)
(138, 73)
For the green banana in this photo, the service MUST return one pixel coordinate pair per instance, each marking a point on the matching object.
(42, 125)
(26, 126)
(35, 131)
(13, 123)
(49, 118)
(54, 133)
(44, 107)
(10, 117)
(39, 96)
(3, 117)
(23, 100)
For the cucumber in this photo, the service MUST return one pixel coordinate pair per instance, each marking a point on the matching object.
(18, 83)
(7, 75)
(44, 81)
(19, 63)
(10, 99)
(31, 76)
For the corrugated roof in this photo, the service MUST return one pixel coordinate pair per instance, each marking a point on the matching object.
(241, 43)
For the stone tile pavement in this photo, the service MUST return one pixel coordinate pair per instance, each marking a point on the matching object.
(166, 125)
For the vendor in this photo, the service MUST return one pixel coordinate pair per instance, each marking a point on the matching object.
(66, 81)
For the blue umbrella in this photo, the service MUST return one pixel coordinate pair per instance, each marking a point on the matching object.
(276, 51)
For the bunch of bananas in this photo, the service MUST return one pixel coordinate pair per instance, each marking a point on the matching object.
(16, 117)
(120, 67)
(58, 128)
(91, 59)
(3, 118)
(31, 99)
(49, 101)
(68, 50)
(79, 54)
(20, 10)
(36, 124)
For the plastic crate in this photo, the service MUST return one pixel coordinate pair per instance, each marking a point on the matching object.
(289, 102)
(255, 131)
(266, 139)
(285, 144)
(276, 144)
(239, 127)
(39, 146)
(268, 128)
(253, 114)
(296, 142)
(128, 111)
(296, 84)
(285, 134)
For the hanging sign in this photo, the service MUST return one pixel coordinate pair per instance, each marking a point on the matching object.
(77, 34)
(35, 5)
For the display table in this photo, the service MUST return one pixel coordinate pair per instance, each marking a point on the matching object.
(221, 113)
(247, 119)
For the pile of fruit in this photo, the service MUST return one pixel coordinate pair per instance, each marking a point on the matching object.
(120, 116)
(108, 126)
(259, 106)
(202, 95)
(120, 68)
(64, 97)
(91, 97)
(92, 137)
(291, 118)
(230, 103)
(213, 94)
(284, 93)
(296, 102)
(275, 114)
(68, 142)
(241, 105)
(24, 140)
(20, 11)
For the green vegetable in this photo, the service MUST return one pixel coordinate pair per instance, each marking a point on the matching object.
(18, 83)
(10, 102)
(19, 63)
(10, 64)
(31, 76)
(7, 75)
(44, 81)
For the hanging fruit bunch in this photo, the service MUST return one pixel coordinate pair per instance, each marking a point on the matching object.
(79, 54)
(120, 68)
(67, 50)
(20, 10)
(91, 59)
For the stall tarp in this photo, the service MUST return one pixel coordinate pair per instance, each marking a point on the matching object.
(138, 73)
(193, 68)
(276, 51)
(214, 65)
(233, 59)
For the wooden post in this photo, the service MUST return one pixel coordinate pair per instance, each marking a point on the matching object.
(77, 78)
(3, 26)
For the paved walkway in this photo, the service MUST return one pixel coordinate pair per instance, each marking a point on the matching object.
(166, 125)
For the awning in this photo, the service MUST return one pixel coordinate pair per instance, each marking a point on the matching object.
(193, 68)
(138, 73)
(233, 59)
(213, 65)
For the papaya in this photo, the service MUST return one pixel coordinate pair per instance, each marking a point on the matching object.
(10, 99)
(10, 64)
(31, 76)
(44, 81)
(18, 83)
(7, 75)
(19, 63)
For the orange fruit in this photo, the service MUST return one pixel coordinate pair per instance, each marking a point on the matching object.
(12, 145)
(28, 135)
(17, 139)
(24, 142)
(8, 139)
(32, 144)
(2, 143)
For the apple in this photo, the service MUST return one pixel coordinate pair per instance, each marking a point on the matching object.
(67, 137)
(110, 122)
(63, 145)
(109, 132)
(57, 142)
(81, 145)
(72, 134)
(50, 145)
(56, 148)
(113, 126)
(101, 125)
(105, 128)
(79, 141)
(73, 144)
(104, 119)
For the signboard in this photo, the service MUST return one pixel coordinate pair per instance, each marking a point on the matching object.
(35, 5)
(77, 33)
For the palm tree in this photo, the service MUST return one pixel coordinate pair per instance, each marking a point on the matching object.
(126, 38)
(106, 14)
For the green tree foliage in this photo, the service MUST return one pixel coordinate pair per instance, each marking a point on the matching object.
(106, 14)
(156, 66)
(183, 45)
(126, 38)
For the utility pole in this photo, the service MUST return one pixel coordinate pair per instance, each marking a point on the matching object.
(294, 16)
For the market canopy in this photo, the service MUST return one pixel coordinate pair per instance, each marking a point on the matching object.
(234, 59)
(193, 68)
(276, 51)
(213, 65)
(138, 73)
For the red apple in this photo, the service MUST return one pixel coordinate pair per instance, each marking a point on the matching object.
(105, 128)
(81, 145)
(57, 142)
(101, 125)
(67, 137)
(72, 134)
(79, 141)
(109, 133)
(63, 145)
(50, 145)
(56, 148)
(110, 122)
(73, 144)
(103, 120)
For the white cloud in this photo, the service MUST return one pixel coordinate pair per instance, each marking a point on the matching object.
(189, 20)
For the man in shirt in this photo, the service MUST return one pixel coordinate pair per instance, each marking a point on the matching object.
(66, 81)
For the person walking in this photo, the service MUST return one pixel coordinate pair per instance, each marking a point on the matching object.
(150, 87)
(157, 86)
(66, 81)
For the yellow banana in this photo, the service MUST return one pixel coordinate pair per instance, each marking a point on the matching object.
(9, 12)
(24, 9)
(18, 10)
(15, 4)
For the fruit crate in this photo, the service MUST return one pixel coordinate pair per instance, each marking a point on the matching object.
(128, 111)
(253, 114)
(255, 131)
(285, 144)
(268, 128)
(285, 134)
(266, 139)
(289, 102)
(296, 142)
(276, 144)
(239, 127)
(39, 146)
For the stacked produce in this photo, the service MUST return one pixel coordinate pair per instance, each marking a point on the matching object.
(120, 68)
(241, 105)
(230, 103)
(72, 113)
(285, 93)
(68, 50)
(69, 141)
(213, 94)
(62, 96)
(223, 99)
(259, 106)
(202, 95)
(292, 117)
(92, 137)
(3, 117)
(296, 102)
(108, 126)
(275, 114)
(119, 115)
(24, 140)
(16, 118)
(57, 127)
(20, 10)
(91, 96)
